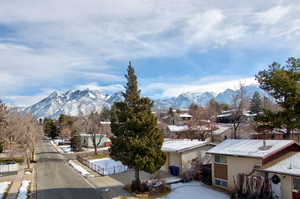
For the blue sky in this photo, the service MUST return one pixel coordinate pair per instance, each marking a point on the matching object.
(175, 46)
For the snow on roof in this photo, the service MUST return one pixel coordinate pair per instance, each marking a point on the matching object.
(185, 115)
(181, 145)
(289, 165)
(90, 135)
(249, 148)
(175, 128)
(221, 129)
(105, 122)
(224, 115)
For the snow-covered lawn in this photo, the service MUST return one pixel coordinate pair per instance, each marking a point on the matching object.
(99, 149)
(79, 169)
(66, 148)
(3, 188)
(194, 190)
(107, 166)
(23, 191)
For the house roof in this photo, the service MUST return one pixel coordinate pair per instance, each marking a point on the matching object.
(185, 115)
(250, 148)
(105, 122)
(175, 128)
(221, 129)
(178, 128)
(288, 164)
(181, 145)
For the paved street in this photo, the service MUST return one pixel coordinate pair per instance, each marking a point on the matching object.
(56, 180)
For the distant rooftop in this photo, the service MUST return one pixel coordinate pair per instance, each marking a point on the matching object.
(249, 148)
(181, 145)
(185, 115)
(176, 128)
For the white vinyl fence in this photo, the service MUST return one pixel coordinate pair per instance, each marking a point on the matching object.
(6, 168)
(105, 166)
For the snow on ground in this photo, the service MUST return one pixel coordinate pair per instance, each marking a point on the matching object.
(66, 148)
(194, 190)
(99, 149)
(23, 191)
(170, 180)
(3, 188)
(79, 169)
(107, 166)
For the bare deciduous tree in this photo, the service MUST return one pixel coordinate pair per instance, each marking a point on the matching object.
(92, 125)
(23, 134)
(3, 125)
(239, 105)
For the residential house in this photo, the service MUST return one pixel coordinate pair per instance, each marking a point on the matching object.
(87, 140)
(259, 157)
(181, 152)
(227, 116)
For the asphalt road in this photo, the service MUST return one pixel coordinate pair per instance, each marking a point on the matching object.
(56, 180)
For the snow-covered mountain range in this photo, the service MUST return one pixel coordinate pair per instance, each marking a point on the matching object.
(184, 100)
(73, 102)
(83, 102)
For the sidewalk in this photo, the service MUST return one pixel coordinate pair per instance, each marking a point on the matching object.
(106, 186)
(14, 189)
(16, 181)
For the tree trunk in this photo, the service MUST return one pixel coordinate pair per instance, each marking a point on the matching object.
(95, 149)
(137, 179)
(33, 155)
(211, 131)
(95, 144)
(28, 160)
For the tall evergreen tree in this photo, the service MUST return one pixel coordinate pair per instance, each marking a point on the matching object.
(255, 103)
(282, 83)
(50, 128)
(137, 141)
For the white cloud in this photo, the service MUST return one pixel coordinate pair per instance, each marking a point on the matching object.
(273, 15)
(54, 43)
(27, 100)
(219, 85)
(94, 86)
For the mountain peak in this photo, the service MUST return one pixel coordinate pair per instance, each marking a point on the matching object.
(84, 101)
(72, 102)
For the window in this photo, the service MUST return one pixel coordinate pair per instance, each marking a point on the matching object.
(220, 159)
(296, 182)
(220, 182)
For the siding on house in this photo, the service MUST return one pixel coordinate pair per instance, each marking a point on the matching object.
(286, 191)
(188, 156)
(240, 165)
(174, 159)
(184, 159)
(237, 165)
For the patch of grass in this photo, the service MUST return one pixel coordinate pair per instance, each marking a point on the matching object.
(6, 160)
(98, 156)
(161, 191)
